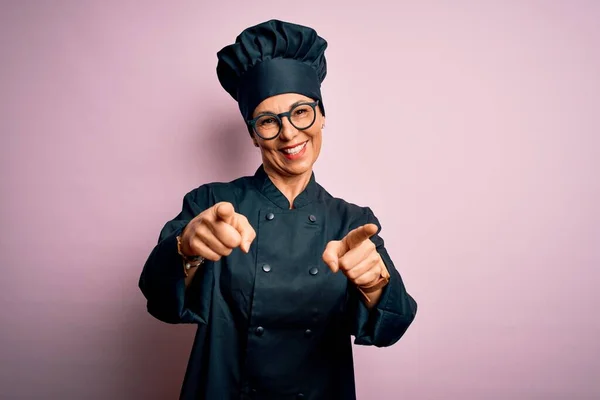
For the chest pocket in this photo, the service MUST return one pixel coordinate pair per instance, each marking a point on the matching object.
(293, 287)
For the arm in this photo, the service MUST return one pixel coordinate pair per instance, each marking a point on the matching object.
(384, 323)
(170, 296)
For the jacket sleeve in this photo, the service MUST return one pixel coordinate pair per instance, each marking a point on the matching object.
(384, 324)
(162, 280)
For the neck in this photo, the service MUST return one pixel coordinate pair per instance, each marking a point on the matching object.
(290, 186)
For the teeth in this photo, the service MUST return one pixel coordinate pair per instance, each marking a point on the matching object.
(295, 150)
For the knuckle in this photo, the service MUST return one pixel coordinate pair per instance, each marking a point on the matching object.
(202, 234)
(199, 227)
(344, 264)
(368, 278)
(192, 227)
(203, 220)
(374, 275)
(361, 280)
(193, 247)
(374, 258)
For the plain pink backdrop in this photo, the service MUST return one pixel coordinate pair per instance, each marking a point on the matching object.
(470, 127)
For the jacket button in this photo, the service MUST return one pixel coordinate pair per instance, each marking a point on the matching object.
(313, 271)
(300, 396)
(259, 331)
(308, 333)
(266, 268)
(270, 216)
(312, 218)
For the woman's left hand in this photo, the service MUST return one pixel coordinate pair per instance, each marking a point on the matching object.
(356, 256)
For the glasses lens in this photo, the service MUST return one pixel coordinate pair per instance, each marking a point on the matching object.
(267, 126)
(302, 116)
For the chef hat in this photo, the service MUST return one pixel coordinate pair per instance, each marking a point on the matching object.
(272, 58)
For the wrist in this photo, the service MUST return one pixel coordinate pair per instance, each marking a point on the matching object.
(373, 289)
(189, 261)
(183, 242)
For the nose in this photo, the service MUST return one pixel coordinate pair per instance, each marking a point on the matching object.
(288, 132)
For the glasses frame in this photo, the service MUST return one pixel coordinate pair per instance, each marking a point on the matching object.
(252, 123)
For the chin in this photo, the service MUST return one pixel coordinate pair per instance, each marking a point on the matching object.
(297, 169)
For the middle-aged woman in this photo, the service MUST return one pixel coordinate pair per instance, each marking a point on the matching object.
(277, 273)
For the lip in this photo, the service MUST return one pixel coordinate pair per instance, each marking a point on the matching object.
(297, 156)
(292, 146)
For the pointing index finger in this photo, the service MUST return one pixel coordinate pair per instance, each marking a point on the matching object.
(355, 237)
(224, 211)
(240, 223)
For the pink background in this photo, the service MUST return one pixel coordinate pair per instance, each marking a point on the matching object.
(470, 128)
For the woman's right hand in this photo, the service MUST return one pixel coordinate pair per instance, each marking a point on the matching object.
(215, 232)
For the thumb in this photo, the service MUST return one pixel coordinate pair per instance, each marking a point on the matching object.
(224, 211)
(333, 251)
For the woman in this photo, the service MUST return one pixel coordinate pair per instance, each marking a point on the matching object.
(276, 272)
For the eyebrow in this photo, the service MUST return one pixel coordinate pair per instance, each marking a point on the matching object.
(292, 106)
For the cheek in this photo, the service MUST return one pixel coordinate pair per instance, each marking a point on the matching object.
(267, 147)
(317, 140)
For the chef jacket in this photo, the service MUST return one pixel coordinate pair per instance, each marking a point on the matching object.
(275, 323)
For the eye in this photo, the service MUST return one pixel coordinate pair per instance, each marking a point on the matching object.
(266, 121)
(301, 111)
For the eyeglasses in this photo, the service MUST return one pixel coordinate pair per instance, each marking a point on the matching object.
(268, 125)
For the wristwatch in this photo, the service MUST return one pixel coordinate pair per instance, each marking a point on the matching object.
(189, 262)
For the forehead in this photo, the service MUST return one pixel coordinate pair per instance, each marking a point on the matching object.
(280, 103)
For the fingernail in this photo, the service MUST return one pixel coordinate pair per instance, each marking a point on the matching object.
(335, 266)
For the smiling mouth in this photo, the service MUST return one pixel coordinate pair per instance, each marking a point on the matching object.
(295, 150)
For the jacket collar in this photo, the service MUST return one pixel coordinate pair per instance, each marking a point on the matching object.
(271, 192)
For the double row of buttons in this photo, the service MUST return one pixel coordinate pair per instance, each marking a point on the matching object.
(259, 331)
